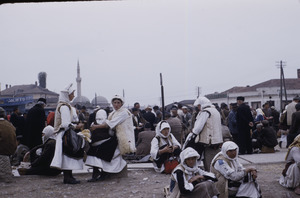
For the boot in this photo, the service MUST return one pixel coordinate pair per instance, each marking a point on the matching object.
(96, 175)
(68, 177)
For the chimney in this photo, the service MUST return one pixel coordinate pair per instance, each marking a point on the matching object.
(298, 72)
(42, 79)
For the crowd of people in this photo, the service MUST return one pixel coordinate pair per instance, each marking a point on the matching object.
(198, 145)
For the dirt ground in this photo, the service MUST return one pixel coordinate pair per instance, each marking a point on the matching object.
(138, 183)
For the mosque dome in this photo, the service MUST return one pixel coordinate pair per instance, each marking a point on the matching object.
(101, 101)
(81, 100)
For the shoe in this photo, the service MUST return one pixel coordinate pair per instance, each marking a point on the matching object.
(297, 190)
(22, 171)
(71, 181)
(100, 177)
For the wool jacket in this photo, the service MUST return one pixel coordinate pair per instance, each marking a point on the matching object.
(121, 122)
(8, 141)
(212, 130)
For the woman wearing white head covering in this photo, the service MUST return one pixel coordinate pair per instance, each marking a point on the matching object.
(290, 177)
(64, 118)
(228, 170)
(42, 155)
(206, 136)
(103, 153)
(121, 125)
(188, 180)
(163, 145)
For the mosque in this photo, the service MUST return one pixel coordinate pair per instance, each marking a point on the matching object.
(80, 100)
(25, 96)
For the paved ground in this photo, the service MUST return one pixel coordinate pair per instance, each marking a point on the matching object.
(141, 181)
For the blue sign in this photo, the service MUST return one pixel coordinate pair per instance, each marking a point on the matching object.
(15, 101)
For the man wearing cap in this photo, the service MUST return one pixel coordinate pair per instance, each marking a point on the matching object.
(149, 116)
(244, 122)
(8, 145)
(35, 123)
(175, 123)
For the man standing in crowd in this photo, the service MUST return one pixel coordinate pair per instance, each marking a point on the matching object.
(35, 123)
(244, 124)
(149, 116)
(295, 125)
(18, 121)
(137, 123)
(206, 135)
(232, 122)
(290, 110)
(8, 145)
(186, 119)
(176, 126)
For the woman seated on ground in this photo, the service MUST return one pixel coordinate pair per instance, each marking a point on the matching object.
(187, 180)
(41, 156)
(229, 172)
(291, 174)
(163, 146)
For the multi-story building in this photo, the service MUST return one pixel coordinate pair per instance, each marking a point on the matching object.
(257, 95)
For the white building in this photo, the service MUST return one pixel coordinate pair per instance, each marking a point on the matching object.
(257, 95)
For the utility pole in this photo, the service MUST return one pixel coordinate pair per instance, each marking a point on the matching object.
(198, 91)
(282, 84)
(95, 99)
(162, 97)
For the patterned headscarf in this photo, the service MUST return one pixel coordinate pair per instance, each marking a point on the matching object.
(295, 143)
(229, 145)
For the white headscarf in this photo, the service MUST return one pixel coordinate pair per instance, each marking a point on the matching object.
(229, 145)
(160, 126)
(101, 116)
(187, 153)
(48, 132)
(203, 101)
(119, 98)
(64, 94)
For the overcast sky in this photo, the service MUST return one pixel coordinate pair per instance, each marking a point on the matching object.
(212, 44)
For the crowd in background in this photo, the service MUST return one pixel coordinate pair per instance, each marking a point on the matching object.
(250, 130)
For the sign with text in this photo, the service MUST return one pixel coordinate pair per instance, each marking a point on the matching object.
(15, 101)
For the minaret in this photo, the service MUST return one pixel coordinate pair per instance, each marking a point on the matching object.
(78, 80)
